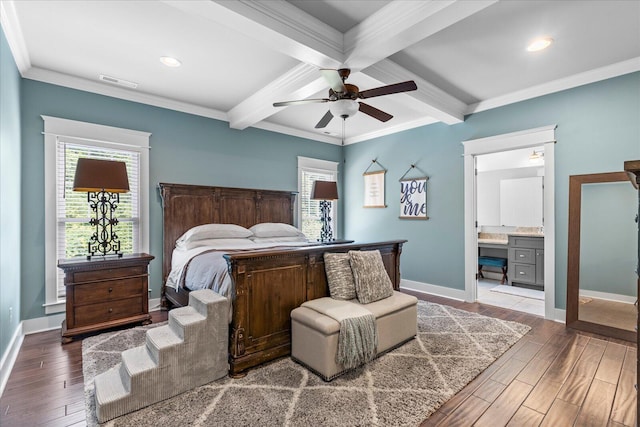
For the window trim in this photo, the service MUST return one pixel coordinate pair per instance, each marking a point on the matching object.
(101, 135)
(322, 166)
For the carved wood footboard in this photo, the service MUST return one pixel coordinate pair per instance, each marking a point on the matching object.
(269, 283)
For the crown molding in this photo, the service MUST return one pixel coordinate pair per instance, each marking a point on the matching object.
(391, 130)
(13, 32)
(60, 79)
(587, 77)
(273, 127)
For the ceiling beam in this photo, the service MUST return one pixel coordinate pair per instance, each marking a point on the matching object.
(301, 82)
(401, 24)
(291, 31)
(433, 101)
(277, 24)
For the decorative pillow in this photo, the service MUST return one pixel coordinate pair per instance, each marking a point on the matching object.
(279, 239)
(214, 231)
(275, 229)
(371, 279)
(216, 244)
(339, 276)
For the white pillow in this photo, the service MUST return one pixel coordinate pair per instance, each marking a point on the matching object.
(286, 239)
(214, 231)
(216, 244)
(275, 229)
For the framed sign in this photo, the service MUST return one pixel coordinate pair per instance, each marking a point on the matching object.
(413, 198)
(374, 189)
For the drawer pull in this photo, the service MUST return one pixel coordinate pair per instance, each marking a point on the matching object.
(521, 273)
(110, 290)
(521, 255)
(111, 310)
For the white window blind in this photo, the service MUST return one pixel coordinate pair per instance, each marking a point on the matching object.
(72, 208)
(309, 171)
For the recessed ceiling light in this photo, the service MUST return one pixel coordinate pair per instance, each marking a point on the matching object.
(539, 44)
(170, 62)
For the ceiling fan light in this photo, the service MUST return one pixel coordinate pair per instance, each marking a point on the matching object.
(344, 108)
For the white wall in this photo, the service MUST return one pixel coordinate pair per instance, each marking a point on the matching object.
(488, 190)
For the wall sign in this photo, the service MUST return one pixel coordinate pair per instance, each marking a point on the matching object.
(374, 189)
(413, 198)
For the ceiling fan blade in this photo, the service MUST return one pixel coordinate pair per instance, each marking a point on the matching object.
(324, 120)
(300, 102)
(388, 90)
(333, 78)
(374, 112)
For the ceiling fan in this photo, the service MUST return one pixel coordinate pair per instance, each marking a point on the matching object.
(343, 96)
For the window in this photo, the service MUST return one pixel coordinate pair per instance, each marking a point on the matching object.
(310, 170)
(67, 228)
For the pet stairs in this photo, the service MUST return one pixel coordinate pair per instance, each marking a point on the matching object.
(191, 350)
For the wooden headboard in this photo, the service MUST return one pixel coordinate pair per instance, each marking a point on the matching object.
(186, 206)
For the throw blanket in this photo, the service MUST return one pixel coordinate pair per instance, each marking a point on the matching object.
(358, 339)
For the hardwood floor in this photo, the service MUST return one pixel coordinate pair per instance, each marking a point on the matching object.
(552, 377)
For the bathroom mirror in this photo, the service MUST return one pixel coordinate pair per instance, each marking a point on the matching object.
(601, 280)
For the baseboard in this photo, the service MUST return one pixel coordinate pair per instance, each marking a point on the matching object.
(607, 296)
(9, 357)
(33, 326)
(428, 288)
(560, 316)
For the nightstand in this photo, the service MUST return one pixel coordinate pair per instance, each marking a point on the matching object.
(105, 292)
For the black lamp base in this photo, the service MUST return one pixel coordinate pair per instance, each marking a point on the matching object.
(104, 240)
(326, 234)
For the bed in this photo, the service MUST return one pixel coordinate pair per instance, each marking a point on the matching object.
(268, 282)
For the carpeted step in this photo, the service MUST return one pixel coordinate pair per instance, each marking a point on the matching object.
(189, 351)
(204, 302)
(183, 321)
(161, 342)
(135, 363)
(109, 391)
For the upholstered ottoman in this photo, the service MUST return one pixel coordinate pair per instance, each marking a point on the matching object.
(314, 336)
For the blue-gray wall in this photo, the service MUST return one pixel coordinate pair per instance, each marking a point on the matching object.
(598, 129)
(10, 153)
(185, 149)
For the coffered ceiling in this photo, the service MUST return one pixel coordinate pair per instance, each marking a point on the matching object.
(239, 57)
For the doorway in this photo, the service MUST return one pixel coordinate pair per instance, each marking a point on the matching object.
(528, 139)
(509, 194)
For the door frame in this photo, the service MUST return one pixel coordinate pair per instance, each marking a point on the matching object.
(510, 141)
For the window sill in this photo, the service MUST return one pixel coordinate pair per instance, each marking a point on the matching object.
(55, 307)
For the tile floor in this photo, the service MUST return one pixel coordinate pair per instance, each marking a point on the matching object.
(513, 302)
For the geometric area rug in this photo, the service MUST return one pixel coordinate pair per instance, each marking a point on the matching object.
(401, 388)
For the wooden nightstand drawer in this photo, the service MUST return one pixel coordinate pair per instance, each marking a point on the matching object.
(107, 311)
(108, 274)
(91, 293)
(104, 293)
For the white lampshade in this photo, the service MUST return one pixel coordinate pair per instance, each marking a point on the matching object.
(344, 108)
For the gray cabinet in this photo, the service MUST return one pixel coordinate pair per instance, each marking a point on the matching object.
(526, 261)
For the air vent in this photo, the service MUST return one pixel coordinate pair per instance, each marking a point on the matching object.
(119, 82)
